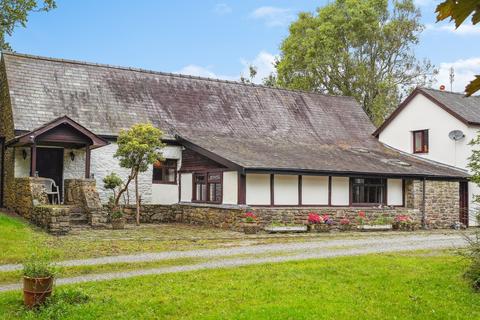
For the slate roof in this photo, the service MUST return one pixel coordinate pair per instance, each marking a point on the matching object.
(468, 108)
(465, 109)
(252, 126)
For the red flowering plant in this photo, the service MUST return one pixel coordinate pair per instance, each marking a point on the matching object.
(403, 222)
(314, 218)
(362, 218)
(250, 217)
(327, 220)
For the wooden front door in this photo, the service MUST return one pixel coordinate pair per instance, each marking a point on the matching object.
(464, 203)
(50, 165)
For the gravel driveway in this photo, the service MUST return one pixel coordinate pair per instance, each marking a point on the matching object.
(285, 252)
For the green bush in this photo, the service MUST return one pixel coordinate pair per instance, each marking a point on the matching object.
(472, 252)
(38, 266)
(59, 305)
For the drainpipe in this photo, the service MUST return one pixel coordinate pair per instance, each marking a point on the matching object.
(424, 216)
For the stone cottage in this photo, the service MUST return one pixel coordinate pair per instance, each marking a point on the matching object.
(229, 145)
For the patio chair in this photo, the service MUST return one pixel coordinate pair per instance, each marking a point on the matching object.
(52, 190)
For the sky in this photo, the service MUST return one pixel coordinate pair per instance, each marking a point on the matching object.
(217, 39)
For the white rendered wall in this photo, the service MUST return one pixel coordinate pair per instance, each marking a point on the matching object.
(340, 191)
(167, 193)
(285, 189)
(230, 187)
(74, 169)
(421, 113)
(314, 190)
(394, 192)
(186, 187)
(103, 163)
(258, 189)
(22, 166)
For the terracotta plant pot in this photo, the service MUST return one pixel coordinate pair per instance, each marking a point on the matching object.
(250, 228)
(36, 290)
(118, 223)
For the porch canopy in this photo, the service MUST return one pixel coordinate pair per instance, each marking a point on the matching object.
(61, 132)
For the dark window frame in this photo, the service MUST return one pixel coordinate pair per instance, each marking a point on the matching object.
(423, 140)
(165, 167)
(206, 174)
(382, 184)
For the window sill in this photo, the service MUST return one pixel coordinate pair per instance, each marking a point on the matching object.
(161, 182)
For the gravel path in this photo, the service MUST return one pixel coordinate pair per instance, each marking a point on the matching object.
(224, 259)
(258, 249)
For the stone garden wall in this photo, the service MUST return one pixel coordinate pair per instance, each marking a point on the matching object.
(53, 218)
(29, 192)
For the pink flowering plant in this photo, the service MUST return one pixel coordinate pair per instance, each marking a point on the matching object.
(345, 224)
(250, 217)
(404, 222)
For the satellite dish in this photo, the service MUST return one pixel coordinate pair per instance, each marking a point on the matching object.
(456, 135)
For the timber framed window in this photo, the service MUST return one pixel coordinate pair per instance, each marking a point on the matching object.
(420, 141)
(208, 187)
(165, 172)
(368, 191)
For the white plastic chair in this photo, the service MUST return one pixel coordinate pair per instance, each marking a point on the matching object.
(52, 189)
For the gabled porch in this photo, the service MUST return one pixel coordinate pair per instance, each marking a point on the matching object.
(58, 150)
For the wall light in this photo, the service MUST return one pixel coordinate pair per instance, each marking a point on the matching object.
(72, 155)
(24, 154)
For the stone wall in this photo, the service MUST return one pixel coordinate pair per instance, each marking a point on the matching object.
(442, 205)
(83, 193)
(28, 193)
(7, 131)
(54, 219)
(152, 213)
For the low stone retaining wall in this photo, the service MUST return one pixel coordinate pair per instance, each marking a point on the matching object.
(152, 213)
(54, 219)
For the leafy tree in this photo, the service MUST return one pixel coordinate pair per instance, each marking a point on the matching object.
(138, 148)
(252, 70)
(459, 11)
(356, 48)
(14, 13)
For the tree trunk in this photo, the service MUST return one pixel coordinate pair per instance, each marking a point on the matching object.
(137, 200)
(132, 175)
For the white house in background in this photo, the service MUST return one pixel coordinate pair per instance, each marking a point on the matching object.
(436, 125)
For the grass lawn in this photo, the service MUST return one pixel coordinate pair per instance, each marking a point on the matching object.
(394, 286)
(18, 240)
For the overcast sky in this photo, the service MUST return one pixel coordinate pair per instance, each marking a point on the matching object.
(209, 38)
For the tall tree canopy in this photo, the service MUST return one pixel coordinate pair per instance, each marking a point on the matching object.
(356, 48)
(14, 13)
(459, 11)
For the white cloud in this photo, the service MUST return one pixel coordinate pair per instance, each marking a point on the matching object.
(273, 16)
(464, 29)
(464, 70)
(199, 71)
(264, 62)
(222, 9)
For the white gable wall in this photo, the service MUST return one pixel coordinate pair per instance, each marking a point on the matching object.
(421, 113)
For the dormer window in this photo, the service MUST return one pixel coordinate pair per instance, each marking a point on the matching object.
(420, 141)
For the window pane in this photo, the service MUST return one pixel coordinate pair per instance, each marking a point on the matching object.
(368, 190)
(418, 141)
(157, 174)
(171, 175)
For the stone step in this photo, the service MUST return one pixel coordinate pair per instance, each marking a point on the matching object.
(78, 221)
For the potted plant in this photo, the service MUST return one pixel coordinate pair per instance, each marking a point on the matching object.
(319, 223)
(38, 276)
(345, 224)
(118, 220)
(250, 225)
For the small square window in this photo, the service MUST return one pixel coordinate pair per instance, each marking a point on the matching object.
(165, 171)
(420, 141)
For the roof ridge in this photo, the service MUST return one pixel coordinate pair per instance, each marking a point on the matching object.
(163, 73)
(445, 91)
